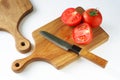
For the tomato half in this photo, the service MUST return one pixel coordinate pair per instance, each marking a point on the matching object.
(93, 17)
(82, 34)
(71, 17)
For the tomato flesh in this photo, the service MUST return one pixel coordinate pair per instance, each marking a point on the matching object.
(71, 17)
(82, 34)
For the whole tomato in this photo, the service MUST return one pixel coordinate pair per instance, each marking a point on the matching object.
(93, 17)
(71, 17)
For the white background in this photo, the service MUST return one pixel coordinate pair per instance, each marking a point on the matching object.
(81, 69)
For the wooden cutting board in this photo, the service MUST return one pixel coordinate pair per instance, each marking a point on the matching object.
(11, 13)
(47, 51)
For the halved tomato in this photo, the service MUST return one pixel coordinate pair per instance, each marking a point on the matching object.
(71, 17)
(82, 34)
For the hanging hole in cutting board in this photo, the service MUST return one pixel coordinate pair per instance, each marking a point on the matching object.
(17, 65)
(22, 43)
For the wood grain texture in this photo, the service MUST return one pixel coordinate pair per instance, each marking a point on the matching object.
(94, 58)
(11, 13)
(47, 51)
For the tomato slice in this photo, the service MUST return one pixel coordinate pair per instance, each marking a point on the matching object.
(82, 34)
(71, 17)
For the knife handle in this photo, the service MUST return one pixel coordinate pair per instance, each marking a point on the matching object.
(94, 58)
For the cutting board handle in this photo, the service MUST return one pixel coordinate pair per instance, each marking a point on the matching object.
(22, 44)
(20, 64)
(11, 13)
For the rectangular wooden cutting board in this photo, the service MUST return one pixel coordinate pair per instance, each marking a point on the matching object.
(46, 51)
(58, 56)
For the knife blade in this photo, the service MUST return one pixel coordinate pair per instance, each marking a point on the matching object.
(76, 49)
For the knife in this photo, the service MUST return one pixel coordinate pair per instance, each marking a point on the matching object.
(76, 49)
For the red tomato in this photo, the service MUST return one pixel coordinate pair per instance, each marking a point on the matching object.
(82, 34)
(71, 17)
(93, 17)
